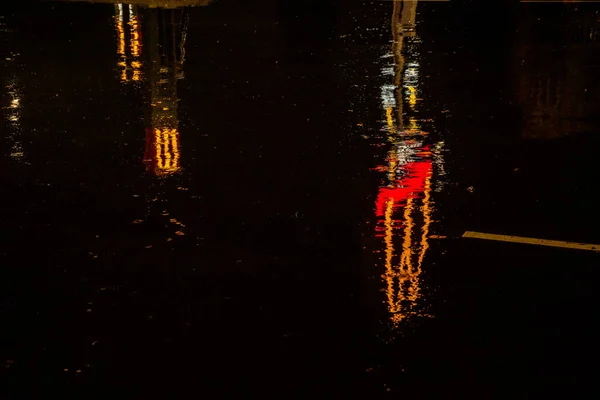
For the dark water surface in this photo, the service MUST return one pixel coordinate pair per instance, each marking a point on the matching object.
(267, 197)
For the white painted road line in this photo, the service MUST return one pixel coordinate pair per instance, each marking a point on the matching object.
(534, 241)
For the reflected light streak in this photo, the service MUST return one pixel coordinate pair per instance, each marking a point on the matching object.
(426, 208)
(134, 23)
(121, 43)
(409, 174)
(162, 152)
(403, 297)
(389, 254)
(388, 95)
(135, 45)
(412, 99)
(14, 118)
(390, 120)
(405, 257)
(132, 61)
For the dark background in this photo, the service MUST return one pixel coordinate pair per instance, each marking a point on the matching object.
(270, 290)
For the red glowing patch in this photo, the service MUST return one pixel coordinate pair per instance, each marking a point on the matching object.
(410, 186)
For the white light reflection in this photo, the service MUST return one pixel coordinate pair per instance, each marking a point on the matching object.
(13, 116)
(388, 95)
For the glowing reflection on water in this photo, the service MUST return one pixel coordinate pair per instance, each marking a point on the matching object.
(404, 204)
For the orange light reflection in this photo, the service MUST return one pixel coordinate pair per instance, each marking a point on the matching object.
(121, 42)
(162, 151)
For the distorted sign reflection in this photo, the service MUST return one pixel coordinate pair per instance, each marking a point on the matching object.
(404, 203)
(151, 43)
(151, 39)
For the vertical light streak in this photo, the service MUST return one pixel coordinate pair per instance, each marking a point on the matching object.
(121, 55)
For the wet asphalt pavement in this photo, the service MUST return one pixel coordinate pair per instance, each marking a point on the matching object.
(267, 198)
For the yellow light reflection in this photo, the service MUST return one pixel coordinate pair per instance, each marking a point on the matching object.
(135, 39)
(128, 54)
(412, 98)
(121, 36)
(121, 43)
(390, 119)
(413, 124)
(166, 151)
(135, 45)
